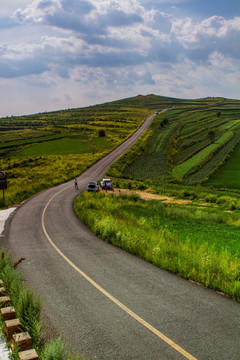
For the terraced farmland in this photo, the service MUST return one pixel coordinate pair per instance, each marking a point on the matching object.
(186, 144)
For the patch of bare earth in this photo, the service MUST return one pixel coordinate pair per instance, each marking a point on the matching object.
(147, 195)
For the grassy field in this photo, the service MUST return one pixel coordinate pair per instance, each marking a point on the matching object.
(202, 245)
(228, 176)
(63, 146)
(187, 144)
(201, 157)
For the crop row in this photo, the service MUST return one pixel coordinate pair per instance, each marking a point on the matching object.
(233, 124)
(185, 154)
(196, 136)
(199, 131)
(211, 167)
(118, 167)
(153, 161)
(197, 123)
(200, 158)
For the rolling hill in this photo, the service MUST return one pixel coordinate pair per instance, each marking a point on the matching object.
(184, 145)
(187, 144)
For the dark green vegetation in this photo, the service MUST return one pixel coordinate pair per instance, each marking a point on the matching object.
(28, 309)
(198, 243)
(187, 144)
(229, 174)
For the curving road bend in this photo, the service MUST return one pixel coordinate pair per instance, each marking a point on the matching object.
(106, 303)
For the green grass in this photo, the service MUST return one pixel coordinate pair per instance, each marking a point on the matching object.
(197, 244)
(23, 134)
(224, 200)
(214, 164)
(31, 140)
(193, 143)
(153, 161)
(201, 157)
(183, 169)
(228, 176)
(63, 146)
(27, 306)
(234, 124)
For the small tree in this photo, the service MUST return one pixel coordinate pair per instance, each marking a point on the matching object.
(211, 134)
(102, 133)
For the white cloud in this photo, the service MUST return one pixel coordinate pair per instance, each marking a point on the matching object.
(117, 47)
(211, 29)
(37, 11)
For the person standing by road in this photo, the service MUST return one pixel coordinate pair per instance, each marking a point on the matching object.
(76, 183)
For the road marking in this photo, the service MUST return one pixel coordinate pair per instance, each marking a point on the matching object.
(160, 335)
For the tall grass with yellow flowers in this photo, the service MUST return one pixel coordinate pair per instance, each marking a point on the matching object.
(153, 231)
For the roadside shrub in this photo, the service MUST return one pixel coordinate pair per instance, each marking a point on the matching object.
(101, 133)
(4, 260)
(211, 199)
(12, 280)
(134, 197)
(186, 193)
(54, 350)
(233, 206)
(28, 310)
(193, 196)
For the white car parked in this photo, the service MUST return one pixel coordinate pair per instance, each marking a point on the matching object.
(106, 184)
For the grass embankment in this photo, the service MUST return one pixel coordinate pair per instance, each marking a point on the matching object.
(228, 176)
(28, 309)
(185, 240)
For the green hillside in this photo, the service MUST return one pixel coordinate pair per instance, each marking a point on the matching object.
(186, 144)
(42, 150)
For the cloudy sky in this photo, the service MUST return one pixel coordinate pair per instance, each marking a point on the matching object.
(58, 54)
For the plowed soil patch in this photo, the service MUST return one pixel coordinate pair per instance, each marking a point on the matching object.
(146, 195)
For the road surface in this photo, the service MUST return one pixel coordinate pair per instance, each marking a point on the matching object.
(106, 303)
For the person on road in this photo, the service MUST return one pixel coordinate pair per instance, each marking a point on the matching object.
(76, 183)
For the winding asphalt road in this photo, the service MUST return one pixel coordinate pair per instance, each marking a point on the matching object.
(106, 303)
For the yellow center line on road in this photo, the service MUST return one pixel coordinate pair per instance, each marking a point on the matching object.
(160, 335)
